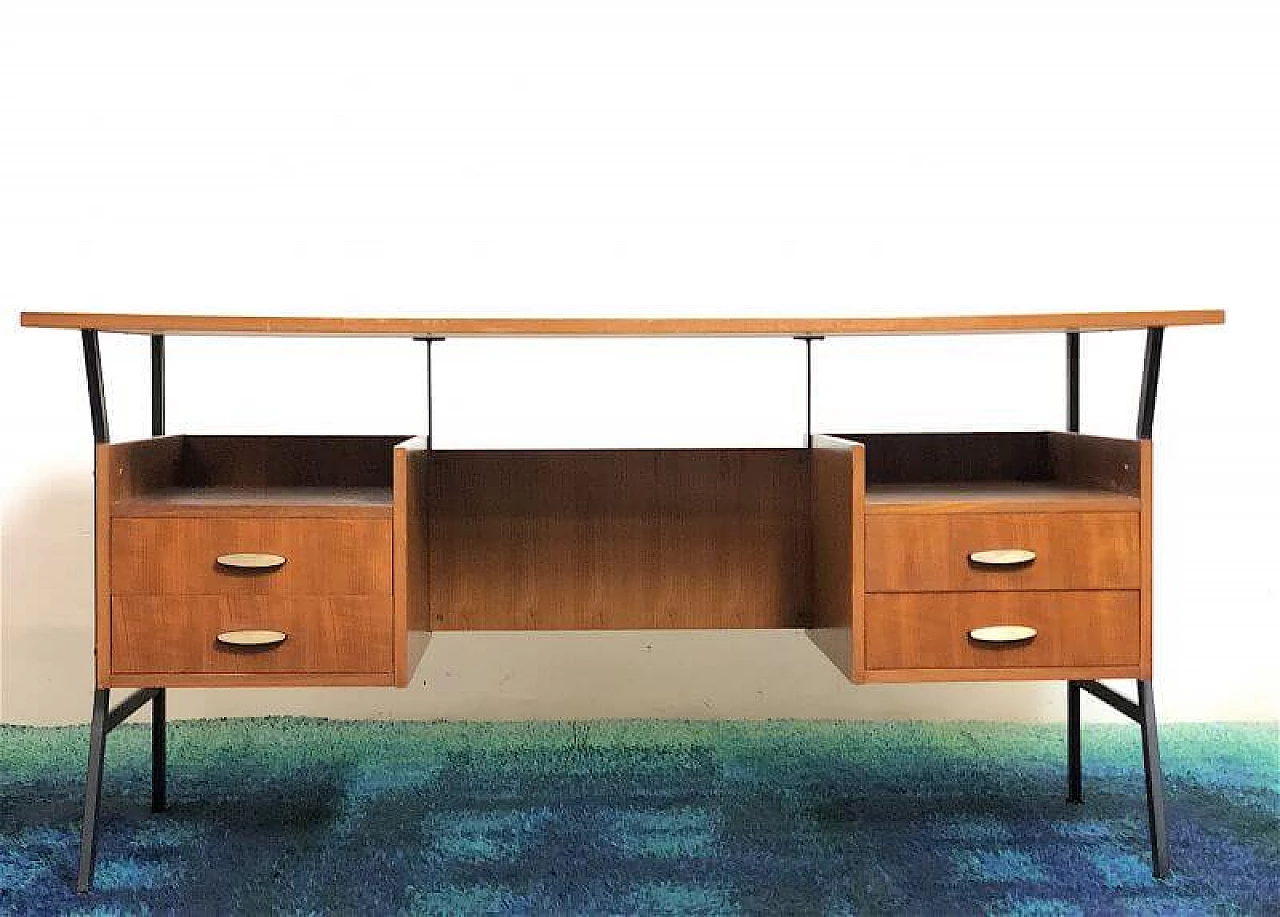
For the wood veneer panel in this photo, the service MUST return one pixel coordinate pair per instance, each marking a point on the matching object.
(1031, 673)
(630, 539)
(1083, 466)
(1147, 478)
(179, 556)
(139, 467)
(622, 327)
(838, 493)
(1073, 551)
(102, 477)
(325, 634)
(287, 461)
(1075, 630)
(1096, 461)
(412, 596)
(996, 497)
(241, 500)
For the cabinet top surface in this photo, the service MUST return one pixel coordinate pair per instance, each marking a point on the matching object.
(409, 326)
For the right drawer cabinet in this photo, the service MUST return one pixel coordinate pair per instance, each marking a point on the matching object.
(959, 596)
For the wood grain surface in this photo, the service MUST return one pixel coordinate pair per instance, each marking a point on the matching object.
(411, 556)
(322, 556)
(1074, 629)
(838, 526)
(136, 323)
(178, 634)
(587, 540)
(1073, 551)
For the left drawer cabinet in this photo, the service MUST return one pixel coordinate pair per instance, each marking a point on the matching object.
(253, 561)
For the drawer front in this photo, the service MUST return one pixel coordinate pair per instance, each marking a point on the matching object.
(932, 630)
(179, 556)
(179, 634)
(936, 553)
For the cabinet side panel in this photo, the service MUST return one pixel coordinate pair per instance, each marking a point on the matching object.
(1147, 493)
(837, 489)
(411, 555)
(1097, 461)
(120, 471)
(102, 564)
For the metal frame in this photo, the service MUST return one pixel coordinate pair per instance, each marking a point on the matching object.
(1142, 711)
(105, 717)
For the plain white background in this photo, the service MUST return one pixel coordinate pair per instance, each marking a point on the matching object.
(642, 158)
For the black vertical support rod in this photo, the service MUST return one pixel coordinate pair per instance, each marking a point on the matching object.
(157, 385)
(93, 375)
(1073, 381)
(808, 385)
(1150, 379)
(431, 411)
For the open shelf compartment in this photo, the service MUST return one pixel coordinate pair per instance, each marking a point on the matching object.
(999, 472)
(276, 475)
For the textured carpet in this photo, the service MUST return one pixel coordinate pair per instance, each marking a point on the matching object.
(307, 816)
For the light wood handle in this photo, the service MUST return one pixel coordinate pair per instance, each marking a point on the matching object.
(1002, 633)
(1002, 557)
(251, 561)
(252, 637)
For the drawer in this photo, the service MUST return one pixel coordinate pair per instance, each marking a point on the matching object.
(932, 630)
(180, 556)
(934, 553)
(179, 634)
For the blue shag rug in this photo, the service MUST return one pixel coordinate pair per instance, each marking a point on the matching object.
(641, 817)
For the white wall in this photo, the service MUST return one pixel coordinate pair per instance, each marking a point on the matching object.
(592, 158)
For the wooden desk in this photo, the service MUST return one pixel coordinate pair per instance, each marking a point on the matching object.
(306, 560)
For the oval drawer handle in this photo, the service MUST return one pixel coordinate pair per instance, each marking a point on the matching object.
(251, 561)
(252, 637)
(1002, 557)
(1002, 633)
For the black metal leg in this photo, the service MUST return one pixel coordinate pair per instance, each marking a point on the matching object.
(1074, 781)
(93, 789)
(93, 376)
(1150, 379)
(158, 801)
(1144, 714)
(1155, 782)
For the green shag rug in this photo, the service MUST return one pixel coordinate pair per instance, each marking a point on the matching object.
(641, 817)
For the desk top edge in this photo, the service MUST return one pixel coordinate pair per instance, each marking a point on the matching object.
(317, 326)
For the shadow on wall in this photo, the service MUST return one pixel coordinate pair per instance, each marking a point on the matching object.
(46, 637)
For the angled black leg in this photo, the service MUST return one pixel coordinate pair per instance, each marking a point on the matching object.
(93, 789)
(1155, 782)
(158, 801)
(1074, 782)
(105, 718)
(1144, 714)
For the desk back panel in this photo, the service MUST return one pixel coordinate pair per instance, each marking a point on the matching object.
(619, 539)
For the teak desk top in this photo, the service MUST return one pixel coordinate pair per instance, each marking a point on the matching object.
(305, 326)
